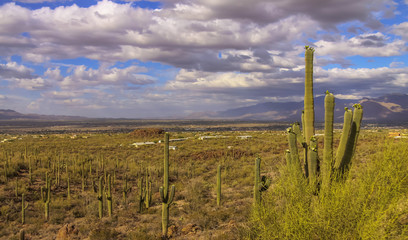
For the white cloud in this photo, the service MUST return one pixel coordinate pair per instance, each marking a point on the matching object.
(366, 45)
(81, 76)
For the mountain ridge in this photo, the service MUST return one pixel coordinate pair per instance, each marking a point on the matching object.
(388, 108)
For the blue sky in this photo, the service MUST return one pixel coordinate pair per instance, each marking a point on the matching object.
(172, 58)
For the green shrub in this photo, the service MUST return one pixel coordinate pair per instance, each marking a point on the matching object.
(370, 204)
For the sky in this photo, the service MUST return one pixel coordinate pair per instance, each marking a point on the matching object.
(172, 58)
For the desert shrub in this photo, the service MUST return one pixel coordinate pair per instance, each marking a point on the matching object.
(147, 132)
(103, 233)
(370, 204)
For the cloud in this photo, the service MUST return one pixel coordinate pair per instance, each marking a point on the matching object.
(81, 76)
(401, 30)
(22, 77)
(366, 45)
(185, 34)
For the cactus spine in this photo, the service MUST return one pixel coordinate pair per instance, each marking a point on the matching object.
(108, 194)
(23, 208)
(261, 184)
(100, 200)
(219, 185)
(166, 194)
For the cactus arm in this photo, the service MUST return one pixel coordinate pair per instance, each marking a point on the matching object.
(293, 147)
(352, 140)
(296, 130)
(314, 161)
(348, 115)
(288, 157)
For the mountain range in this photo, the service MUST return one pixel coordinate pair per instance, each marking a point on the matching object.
(8, 114)
(390, 108)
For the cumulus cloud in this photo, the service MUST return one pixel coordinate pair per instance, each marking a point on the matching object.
(81, 76)
(366, 45)
(22, 77)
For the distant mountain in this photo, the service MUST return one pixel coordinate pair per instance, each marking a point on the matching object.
(7, 114)
(389, 108)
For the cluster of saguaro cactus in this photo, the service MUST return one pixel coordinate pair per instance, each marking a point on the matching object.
(261, 183)
(329, 168)
(166, 194)
(46, 196)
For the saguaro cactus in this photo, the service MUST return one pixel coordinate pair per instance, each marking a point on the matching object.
(142, 194)
(261, 183)
(219, 185)
(100, 200)
(108, 194)
(68, 188)
(166, 194)
(46, 196)
(125, 191)
(148, 190)
(23, 208)
(328, 138)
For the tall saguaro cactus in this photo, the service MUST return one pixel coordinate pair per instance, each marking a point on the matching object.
(46, 196)
(166, 194)
(125, 191)
(100, 199)
(148, 190)
(309, 114)
(108, 194)
(23, 208)
(328, 139)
